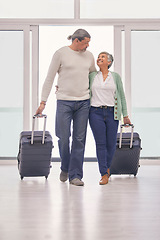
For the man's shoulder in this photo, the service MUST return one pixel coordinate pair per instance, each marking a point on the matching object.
(61, 52)
(62, 49)
(89, 53)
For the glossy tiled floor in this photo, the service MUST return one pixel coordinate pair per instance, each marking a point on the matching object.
(127, 208)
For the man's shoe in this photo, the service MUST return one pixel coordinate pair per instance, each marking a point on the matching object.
(104, 180)
(77, 182)
(63, 176)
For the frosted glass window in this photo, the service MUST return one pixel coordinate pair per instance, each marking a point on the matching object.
(37, 9)
(119, 9)
(145, 78)
(48, 46)
(11, 91)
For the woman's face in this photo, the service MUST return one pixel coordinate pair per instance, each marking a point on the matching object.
(102, 60)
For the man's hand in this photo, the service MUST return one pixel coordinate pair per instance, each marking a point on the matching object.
(40, 108)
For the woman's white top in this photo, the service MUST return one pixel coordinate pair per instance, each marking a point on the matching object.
(103, 92)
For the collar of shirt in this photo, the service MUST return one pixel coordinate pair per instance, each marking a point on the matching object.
(107, 78)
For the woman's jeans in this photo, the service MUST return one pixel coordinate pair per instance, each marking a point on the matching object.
(72, 155)
(104, 129)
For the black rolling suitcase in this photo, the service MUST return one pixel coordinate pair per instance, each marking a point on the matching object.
(127, 154)
(35, 151)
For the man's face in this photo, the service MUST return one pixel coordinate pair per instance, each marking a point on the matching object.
(82, 45)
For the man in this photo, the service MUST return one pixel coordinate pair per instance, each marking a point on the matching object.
(73, 64)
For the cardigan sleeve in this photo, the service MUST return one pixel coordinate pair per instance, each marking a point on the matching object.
(122, 95)
(91, 79)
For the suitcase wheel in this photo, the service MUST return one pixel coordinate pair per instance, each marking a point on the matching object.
(22, 177)
(46, 177)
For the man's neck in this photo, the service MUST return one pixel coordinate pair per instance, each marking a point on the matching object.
(73, 47)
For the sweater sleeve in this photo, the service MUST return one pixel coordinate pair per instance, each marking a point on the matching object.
(92, 68)
(53, 69)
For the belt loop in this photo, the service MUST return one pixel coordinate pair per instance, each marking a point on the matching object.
(105, 106)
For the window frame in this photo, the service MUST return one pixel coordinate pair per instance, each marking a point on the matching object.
(31, 50)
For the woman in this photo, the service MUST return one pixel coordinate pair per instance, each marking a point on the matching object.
(108, 103)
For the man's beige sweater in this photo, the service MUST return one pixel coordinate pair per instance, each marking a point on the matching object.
(73, 70)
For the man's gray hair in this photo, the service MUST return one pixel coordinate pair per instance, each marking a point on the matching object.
(80, 34)
(110, 58)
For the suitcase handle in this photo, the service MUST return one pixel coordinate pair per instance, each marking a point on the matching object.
(120, 139)
(44, 127)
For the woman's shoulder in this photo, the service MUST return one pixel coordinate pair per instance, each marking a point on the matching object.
(91, 78)
(92, 75)
(115, 74)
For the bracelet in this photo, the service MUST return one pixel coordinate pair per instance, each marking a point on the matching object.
(43, 103)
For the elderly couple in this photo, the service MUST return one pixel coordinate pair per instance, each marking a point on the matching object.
(84, 93)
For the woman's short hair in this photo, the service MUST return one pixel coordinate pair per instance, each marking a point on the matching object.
(80, 34)
(110, 58)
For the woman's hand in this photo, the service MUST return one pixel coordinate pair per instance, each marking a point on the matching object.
(126, 120)
(41, 108)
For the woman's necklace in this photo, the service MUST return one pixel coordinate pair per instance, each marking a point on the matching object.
(105, 76)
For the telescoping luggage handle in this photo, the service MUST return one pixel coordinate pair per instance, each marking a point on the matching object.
(120, 138)
(44, 127)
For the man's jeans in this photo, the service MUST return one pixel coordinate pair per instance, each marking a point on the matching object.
(104, 129)
(72, 155)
